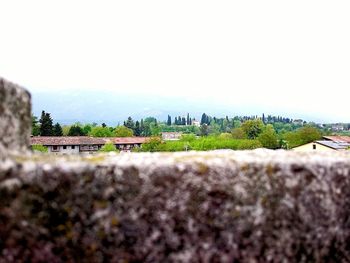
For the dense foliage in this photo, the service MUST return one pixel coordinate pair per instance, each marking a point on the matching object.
(301, 136)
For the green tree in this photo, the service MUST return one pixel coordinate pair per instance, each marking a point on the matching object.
(123, 131)
(152, 145)
(149, 120)
(57, 130)
(252, 128)
(268, 138)
(101, 132)
(204, 119)
(46, 126)
(75, 130)
(146, 130)
(309, 134)
(155, 129)
(169, 121)
(130, 123)
(302, 136)
(87, 129)
(137, 130)
(35, 126)
(214, 128)
(226, 125)
(238, 133)
(142, 128)
(236, 123)
(108, 147)
(65, 129)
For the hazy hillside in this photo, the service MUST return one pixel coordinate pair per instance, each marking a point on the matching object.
(95, 106)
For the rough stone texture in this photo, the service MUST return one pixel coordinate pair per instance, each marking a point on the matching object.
(222, 206)
(15, 118)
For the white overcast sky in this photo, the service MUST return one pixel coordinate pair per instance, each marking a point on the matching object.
(288, 55)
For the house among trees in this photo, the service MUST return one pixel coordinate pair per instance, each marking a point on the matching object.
(171, 136)
(85, 144)
(298, 122)
(196, 123)
(337, 127)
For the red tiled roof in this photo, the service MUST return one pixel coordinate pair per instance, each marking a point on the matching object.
(84, 140)
(338, 138)
(128, 140)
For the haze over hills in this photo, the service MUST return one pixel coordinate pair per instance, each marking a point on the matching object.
(137, 58)
(68, 107)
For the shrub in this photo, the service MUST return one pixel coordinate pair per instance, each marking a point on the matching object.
(122, 131)
(201, 144)
(40, 148)
(109, 147)
(238, 133)
(152, 145)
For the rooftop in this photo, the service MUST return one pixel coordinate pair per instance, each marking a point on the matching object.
(84, 140)
(337, 138)
(335, 145)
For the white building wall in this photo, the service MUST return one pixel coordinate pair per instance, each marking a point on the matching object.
(310, 147)
(69, 149)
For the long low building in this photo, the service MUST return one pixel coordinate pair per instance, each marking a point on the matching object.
(85, 144)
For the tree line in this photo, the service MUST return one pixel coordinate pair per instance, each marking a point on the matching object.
(271, 131)
(45, 127)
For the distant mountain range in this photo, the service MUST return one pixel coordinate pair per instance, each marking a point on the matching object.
(101, 106)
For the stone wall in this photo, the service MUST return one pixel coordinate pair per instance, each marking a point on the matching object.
(221, 206)
(253, 206)
(15, 118)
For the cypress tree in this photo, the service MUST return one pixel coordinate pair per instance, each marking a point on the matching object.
(46, 126)
(188, 119)
(176, 121)
(169, 121)
(207, 121)
(204, 119)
